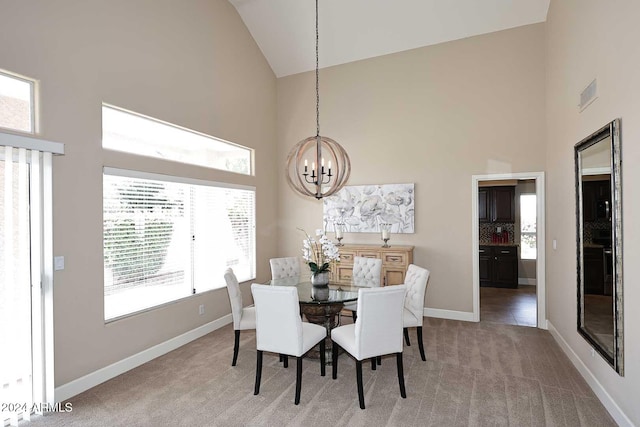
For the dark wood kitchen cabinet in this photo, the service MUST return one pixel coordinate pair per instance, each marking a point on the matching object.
(498, 266)
(596, 200)
(594, 270)
(485, 265)
(496, 204)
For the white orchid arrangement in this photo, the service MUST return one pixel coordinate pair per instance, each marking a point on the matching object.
(320, 252)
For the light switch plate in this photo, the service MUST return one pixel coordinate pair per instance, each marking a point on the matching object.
(58, 263)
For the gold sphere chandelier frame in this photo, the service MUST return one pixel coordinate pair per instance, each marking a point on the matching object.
(319, 179)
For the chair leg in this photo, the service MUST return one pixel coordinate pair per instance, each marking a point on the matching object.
(298, 379)
(406, 336)
(403, 392)
(236, 344)
(373, 363)
(322, 358)
(354, 316)
(359, 381)
(285, 360)
(258, 372)
(379, 360)
(420, 344)
(334, 360)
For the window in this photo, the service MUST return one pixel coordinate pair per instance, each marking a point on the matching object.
(528, 226)
(167, 238)
(16, 103)
(136, 134)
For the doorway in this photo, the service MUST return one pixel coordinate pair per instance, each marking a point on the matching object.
(524, 305)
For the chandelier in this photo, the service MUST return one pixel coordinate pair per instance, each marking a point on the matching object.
(317, 166)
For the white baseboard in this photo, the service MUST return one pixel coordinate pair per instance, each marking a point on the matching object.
(526, 281)
(448, 314)
(606, 399)
(88, 381)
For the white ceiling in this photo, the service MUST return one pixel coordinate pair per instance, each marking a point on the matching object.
(351, 30)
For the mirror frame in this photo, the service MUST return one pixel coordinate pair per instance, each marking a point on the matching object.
(612, 129)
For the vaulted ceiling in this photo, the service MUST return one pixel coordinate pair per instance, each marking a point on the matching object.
(351, 30)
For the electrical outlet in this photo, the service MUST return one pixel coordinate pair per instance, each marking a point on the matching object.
(201, 309)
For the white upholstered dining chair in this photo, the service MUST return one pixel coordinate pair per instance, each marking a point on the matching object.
(415, 280)
(279, 329)
(376, 332)
(244, 318)
(284, 267)
(366, 273)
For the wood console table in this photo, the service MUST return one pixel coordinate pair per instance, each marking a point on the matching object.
(395, 260)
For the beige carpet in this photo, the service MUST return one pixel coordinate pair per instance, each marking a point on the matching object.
(476, 374)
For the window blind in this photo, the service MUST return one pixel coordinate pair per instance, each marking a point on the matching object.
(165, 239)
(15, 285)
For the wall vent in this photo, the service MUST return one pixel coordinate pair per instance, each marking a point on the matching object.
(588, 95)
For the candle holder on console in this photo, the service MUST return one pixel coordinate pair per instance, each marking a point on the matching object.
(339, 227)
(385, 230)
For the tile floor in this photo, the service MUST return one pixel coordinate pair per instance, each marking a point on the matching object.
(509, 306)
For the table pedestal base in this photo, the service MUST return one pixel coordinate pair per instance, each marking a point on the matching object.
(325, 315)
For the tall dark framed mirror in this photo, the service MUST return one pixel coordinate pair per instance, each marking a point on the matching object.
(599, 242)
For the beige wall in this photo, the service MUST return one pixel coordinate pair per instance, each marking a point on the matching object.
(434, 116)
(189, 63)
(588, 39)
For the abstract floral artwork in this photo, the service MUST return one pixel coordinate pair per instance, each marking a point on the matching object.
(362, 208)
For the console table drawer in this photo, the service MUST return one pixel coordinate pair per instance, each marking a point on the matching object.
(346, 257)
(369, 254)
(344, 273)
(395, 258)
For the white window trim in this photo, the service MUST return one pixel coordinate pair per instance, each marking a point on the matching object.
(34, 105)
(128, 173)
(31, 143)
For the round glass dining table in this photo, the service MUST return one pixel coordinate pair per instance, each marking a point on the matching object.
(320, 304)
(318, 295)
